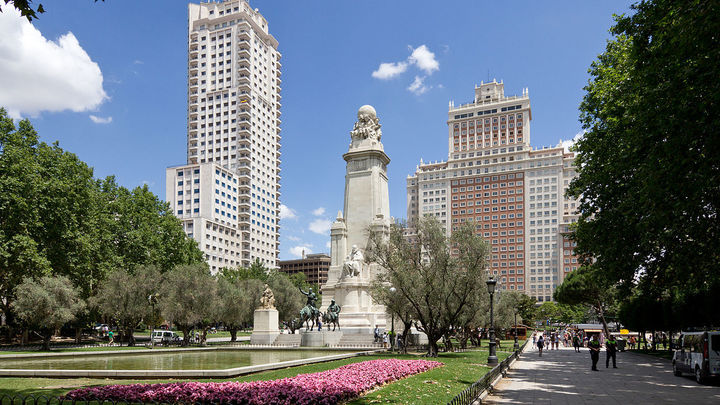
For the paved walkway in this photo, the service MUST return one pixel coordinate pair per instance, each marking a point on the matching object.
(564, 377)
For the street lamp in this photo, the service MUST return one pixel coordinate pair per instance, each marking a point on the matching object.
(516, 346)
(492, 357)
(392, 327)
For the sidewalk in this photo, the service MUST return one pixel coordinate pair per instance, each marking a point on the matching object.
(564, 377)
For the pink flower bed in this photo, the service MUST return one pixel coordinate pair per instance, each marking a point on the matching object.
(326, 387)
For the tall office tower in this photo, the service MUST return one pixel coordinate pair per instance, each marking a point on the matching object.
(233, 125)
(487, 179)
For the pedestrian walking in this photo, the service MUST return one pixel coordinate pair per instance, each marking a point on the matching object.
(540, 344)
(594, 346)
(576, 343)
(534, 341)
(557, 341)
(111, 337)
(610, 351)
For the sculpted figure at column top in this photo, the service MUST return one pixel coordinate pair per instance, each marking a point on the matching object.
(367, 125)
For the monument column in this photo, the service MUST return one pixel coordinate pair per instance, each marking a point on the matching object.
(366, 208)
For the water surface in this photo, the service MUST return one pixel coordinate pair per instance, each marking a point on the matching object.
(195, 360)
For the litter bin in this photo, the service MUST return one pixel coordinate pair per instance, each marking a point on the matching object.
(621, 344)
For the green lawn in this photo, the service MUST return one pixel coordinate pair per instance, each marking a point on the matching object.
(435, 386)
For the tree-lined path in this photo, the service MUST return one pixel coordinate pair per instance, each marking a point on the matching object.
(564, 377)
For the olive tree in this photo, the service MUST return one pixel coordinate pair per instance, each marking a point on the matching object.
(438, 275)
(125, 297)
(188, 297)
(46, 304)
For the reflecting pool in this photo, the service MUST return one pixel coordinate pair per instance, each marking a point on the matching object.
(191, 360)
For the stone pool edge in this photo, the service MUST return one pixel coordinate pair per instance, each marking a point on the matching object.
(225, 373)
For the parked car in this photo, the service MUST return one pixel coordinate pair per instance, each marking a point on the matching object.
(698, 353)
(165, 337)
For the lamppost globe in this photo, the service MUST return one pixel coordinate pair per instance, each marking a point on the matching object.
(491, 283)
(392, 289)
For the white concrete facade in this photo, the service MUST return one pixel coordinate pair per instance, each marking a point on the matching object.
(234, 119)
(205, 198)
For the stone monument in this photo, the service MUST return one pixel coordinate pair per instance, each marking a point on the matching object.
(266, 327)
(367, 208)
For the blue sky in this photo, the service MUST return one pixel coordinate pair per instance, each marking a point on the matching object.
(113, 91)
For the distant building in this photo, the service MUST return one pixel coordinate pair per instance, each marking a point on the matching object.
(515, 194)
(315, 267)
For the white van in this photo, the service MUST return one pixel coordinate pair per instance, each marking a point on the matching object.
(698, 354)
(165, 337)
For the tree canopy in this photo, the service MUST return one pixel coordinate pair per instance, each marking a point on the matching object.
(649, 160)
(443, 279)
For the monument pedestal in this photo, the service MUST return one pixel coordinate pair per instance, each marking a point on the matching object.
(265, 327)
(320, 338)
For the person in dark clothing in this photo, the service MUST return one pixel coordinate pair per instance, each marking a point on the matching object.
(540, 344)
(610, 351)
(576, 343)
(594, 346)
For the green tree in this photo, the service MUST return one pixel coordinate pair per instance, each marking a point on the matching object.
(439, 276)
(587, 286)
(288, 299)
(26, 9)
(46, 304)
(125, 298)
(147, 232)
(237, 301)
(649, 183)
(188, 297)
(52, 220)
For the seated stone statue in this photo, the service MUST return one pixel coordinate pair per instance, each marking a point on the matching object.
(353, 263)
(267, 301)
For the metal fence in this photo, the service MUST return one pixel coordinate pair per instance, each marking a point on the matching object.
(45, 400)
(471, 393)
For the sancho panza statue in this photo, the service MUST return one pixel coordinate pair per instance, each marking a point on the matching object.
(354, 262)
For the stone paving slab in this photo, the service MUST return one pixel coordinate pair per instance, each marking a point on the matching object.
(564, 377)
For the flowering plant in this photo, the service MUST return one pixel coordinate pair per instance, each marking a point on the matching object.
(326, 387)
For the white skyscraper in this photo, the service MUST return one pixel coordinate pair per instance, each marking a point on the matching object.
(233, 130)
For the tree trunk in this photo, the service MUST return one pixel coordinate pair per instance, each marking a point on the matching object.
(46, 340)
(233, 334)
(186, 336)
(203, 339)
(131, 336)
(78, 335)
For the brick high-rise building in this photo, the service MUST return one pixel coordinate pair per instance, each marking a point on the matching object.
(493, 177)
(234, 127)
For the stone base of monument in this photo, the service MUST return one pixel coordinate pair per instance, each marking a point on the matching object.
(265, 327)
(320, 338)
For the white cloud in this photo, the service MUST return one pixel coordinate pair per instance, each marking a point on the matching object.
(40, 75)
(294, 238)
(320, 226)
(424, 59)
(327, 245)
(418, 86)
(100, 120)
(319, 211)
(567, 144)
(389, 70)
(138, 62)
(297, 251)
(287, 212)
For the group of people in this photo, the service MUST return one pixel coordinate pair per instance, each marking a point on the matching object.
(593, 344)
(383, 337)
